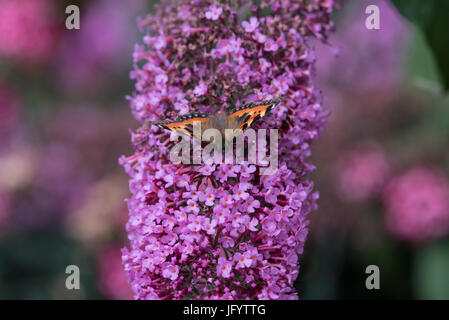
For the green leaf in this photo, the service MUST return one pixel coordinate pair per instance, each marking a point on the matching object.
(431, 18)
(431, 269)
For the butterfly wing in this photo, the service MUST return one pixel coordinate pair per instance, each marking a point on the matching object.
(245, 115)
(185, 123)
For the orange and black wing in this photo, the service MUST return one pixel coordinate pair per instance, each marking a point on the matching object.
(184, 123)
(245, 115)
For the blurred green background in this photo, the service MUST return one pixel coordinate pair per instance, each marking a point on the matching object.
(382, 163)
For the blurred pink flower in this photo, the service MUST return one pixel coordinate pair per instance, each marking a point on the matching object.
(417, 205)
(55, 170)
(95, 51)
(9, 111)
(364, 59)
(27, 30)
(113, 282)
(362, 172)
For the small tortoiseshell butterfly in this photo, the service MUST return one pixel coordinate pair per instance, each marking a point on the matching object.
(239, 119)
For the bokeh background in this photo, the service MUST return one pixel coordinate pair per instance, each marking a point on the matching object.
(382, 163)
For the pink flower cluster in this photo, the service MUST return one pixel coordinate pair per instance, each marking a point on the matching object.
(223, 231)
(112, 278)
(417, 204)
(87, 57)
(365, 59)
(27, 32)
(362, 172)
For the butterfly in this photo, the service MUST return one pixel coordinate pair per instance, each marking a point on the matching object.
(238, 119)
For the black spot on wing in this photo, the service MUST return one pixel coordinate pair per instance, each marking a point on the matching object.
(189, 128)
(256, 118)
(244, 118)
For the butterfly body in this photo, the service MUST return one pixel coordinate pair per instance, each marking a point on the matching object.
(217, 121)
(238, 119)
